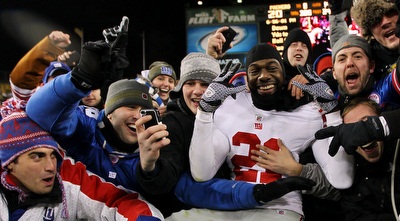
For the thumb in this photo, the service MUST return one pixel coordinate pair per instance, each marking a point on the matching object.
(334, 146)
(325, 133)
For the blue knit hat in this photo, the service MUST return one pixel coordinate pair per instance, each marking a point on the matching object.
(54, 69)
(19, 134)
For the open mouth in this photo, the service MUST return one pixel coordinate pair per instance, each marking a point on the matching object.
(132, 127)
(370, 148)
(352, 78)
(164, 90)
(389, 34)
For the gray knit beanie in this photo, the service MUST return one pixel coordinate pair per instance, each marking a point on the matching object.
(348, 41)
(127, 93)
(196, 66)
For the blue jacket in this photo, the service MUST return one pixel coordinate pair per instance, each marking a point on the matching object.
(78, 130)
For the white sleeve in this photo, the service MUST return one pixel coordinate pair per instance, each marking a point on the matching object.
(339, 169)
(208, 148)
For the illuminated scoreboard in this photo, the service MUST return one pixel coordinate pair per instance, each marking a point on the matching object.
(310, 16)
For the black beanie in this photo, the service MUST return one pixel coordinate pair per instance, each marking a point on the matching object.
(263, 51)
(297, 35)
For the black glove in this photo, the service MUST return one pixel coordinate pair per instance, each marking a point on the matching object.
(90, 72)
(318, 88)
(220, 89)
(117, 37)
(353, 135)
(263, 193)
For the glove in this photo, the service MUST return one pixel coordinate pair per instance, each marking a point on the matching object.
(318, 88)
(220, 89)
(117, 37)
(263, 193)
(89, 73)
(353, 135)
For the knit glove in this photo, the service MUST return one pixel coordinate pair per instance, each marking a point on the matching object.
(318, 88)
(264, 193)
(353, 135)
(90, 72)
(220, 88)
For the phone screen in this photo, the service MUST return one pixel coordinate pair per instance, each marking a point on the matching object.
(229, 36)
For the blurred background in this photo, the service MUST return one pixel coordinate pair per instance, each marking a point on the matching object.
(159, 30)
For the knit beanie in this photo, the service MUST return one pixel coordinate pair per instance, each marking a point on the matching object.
(263, 51)
(367, 13)
(323, 62)
(19, 134)
(127, 92)
(296, 35)
(54, 69)
(161, 67)
(348, 41)
(196, 66)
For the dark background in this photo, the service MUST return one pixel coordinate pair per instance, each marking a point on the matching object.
(156, 30)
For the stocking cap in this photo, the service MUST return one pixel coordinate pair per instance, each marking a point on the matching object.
(127, 92)
(161, 68)
(323, 62)
(19, 134)
(347, 41)
(263, 51)
(196, 66)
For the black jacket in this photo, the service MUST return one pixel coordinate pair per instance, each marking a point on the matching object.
(369, 196)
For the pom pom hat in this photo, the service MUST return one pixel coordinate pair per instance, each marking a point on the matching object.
(19, 134)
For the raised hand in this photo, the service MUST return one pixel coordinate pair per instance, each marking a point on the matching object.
(90, 72)
(220, 88)
(318, 88)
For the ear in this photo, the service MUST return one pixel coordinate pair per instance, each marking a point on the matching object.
(333, 73)
(371, 67)
(9, 167)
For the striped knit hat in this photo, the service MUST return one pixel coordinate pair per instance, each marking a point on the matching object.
(19, 134)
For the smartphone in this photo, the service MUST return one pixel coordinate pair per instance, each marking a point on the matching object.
(73, 59)
(229, 36)
(155, 117)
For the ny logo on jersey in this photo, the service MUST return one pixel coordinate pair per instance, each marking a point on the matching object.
(258, 126)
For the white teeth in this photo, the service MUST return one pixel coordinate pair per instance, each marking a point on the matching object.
(266, 87)
(164, 90)
(133, 126)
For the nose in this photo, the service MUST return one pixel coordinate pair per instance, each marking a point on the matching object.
(349, 62)
(198, 89)
(264, 75)
(51, 163)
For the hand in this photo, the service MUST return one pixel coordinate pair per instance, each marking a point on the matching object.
(279, 161)
(353, 135)
(220, 89)
(215, 42)
(150, 140)
(266, 192)
(318, 88)
(117, 37)
(90, 71)
(60, 39)
(296, 91)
